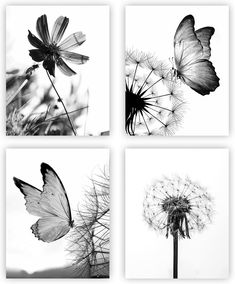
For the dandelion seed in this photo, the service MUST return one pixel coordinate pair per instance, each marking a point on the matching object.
(177, 111)
(169, 127)
(136, 57)
(174, 91)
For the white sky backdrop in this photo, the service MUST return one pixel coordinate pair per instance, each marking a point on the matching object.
(74, 167)
(93, 21)
(152, 29)
(149, 254)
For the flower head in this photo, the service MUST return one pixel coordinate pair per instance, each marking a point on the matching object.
(89, 241)
(175, 205)
(51, 51)
(149, 112)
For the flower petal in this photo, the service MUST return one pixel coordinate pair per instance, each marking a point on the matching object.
(49, 65)
(59, 28)
(64, 68)
(42, 29)
(37, 55)
(74, 57)
(36, 42)
(72, 41)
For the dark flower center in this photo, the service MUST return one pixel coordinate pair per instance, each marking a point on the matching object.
(134, 103)
(177, 208)
(52, 49)
(176, 205)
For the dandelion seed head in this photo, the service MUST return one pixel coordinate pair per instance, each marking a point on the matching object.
(177, 205)
(148, 112)
(89, 240)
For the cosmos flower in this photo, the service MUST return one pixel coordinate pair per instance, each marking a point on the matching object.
(176, 205)
(51, 51)
(151, 109)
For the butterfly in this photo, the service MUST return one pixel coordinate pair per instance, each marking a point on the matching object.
(51, 204)
(192, 53)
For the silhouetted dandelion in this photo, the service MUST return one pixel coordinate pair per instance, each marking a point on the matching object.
(151, 109)
(177, 207)
(89, 241)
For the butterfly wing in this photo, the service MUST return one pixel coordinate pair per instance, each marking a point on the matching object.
(32, 196)
(187, 47)
(51, 204)
(54, 196)
(192, 51)
(204, 35)
(206, 82)
(50, 229)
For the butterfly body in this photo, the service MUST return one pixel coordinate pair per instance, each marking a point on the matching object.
(192, 53)
(51, 204)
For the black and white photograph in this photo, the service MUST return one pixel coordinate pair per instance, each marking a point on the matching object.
(57, 213)
(177, 213)
(57, 70)
(177, 70)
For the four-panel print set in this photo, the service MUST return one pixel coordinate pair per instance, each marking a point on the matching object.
(176, 199)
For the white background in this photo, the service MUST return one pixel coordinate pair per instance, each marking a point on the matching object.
(93, 75)
(74, 167)
(118, 141)
(149, 254)
(152, 29)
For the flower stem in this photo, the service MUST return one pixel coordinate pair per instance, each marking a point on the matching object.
(60, 100)
(12, 96)
(175, 256)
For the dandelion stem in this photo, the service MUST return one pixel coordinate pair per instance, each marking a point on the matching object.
(154, 83)
(156, 97)
(146, 111)
(133, 80)
(175, 256)
(60, 100)
(159, 107)
(145, 123)
(145, 81)
(151, 86)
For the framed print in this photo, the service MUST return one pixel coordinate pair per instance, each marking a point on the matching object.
(177, 214)
(57, 73)
(177, 70)
(57, 213)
